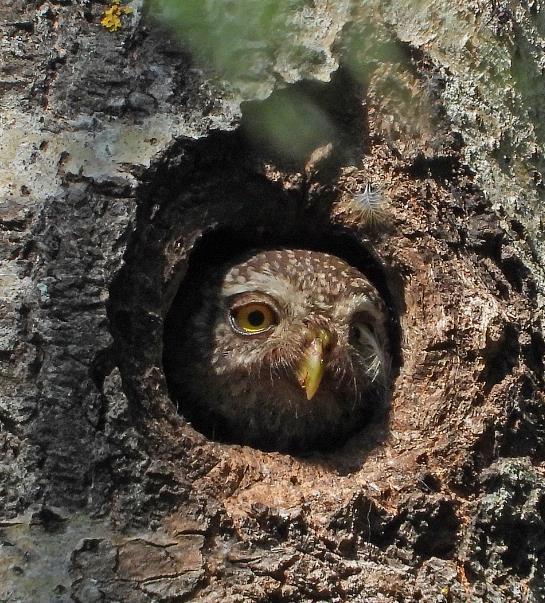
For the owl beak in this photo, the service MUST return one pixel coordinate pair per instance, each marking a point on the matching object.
(311, 368)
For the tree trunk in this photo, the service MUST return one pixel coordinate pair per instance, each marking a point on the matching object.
(125, 163)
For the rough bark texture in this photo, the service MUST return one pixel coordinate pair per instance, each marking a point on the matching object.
(123, 165)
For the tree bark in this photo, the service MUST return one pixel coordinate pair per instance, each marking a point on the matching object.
(125, 164)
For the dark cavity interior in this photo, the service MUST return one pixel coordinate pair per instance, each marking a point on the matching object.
(223, 245)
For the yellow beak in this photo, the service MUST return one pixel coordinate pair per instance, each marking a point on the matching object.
(311, 368)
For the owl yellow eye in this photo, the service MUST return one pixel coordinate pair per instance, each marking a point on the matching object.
(253, 318)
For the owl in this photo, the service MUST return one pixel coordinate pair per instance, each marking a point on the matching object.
(282, 349)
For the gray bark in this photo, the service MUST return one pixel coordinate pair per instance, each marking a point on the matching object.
(122, 158)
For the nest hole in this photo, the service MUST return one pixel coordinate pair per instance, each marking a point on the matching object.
(222, 246)
(210, 200)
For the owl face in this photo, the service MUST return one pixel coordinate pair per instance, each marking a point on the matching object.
(285, 349)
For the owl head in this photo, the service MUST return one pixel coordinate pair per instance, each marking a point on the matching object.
(284, 349)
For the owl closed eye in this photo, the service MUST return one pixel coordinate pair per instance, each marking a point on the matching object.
(283, 349)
